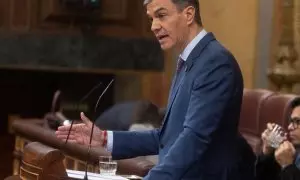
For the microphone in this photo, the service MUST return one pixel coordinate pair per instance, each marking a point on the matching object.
(57, 93)
(93, 125)
(92, 130)
(81, 100)
(54, 101)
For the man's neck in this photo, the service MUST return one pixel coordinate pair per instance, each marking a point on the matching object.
(193, 31)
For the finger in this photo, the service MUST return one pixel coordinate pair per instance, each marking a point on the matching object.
(67, 127)
(264, 135)
(62, 132)
(285, 145)
(71, 137)
(65, 132)
(281, 146)
(284, 138)
(270, 126)
(290, 146)
(63, 128)
(85, 119)
(279, 150)
(275, 128)
(265, 131)
(70, 141)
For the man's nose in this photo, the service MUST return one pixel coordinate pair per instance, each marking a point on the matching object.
(290, 127)
(155, 26)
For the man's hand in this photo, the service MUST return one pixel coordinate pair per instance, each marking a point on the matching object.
(266, 148)
(285, 154)
(80, 133)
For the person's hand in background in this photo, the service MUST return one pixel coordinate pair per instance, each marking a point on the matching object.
(285, 154)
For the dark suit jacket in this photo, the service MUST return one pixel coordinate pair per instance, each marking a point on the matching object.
(268, 168)
(199, 136)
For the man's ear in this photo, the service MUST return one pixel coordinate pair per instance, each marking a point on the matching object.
(189, 13)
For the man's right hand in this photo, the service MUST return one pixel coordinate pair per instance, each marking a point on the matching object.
(80, 133)
(266, 148)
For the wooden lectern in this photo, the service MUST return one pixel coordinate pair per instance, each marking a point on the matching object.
(41, 162)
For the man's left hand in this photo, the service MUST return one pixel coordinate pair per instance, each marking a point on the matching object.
(285, 154)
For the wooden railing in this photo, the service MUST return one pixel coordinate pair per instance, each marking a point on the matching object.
(27, 131)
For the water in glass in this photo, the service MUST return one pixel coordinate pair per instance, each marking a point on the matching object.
(276, 136)
(107, 165)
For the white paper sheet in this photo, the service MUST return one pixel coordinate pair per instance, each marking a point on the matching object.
(92, 176)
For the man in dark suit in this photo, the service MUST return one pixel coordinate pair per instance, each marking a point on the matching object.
(199, 136)
(282, 163)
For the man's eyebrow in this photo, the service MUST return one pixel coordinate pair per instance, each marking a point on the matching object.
(159, 9)
(156, 11)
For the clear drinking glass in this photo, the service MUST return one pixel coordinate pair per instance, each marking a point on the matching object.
(107, 165)
(276, 136)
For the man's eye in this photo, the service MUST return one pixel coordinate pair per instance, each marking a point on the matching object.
(160, 16)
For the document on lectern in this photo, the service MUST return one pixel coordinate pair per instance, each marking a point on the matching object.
(92, 176)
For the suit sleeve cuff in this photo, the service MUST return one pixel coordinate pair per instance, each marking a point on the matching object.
(110, 139)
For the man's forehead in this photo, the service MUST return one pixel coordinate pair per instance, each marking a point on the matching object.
(296, 111)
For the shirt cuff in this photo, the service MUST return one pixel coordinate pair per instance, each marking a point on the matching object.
(110, 140)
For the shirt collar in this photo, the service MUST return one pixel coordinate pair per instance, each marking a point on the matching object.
(187, 51)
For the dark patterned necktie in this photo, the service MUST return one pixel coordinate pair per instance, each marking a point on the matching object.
(180, 64)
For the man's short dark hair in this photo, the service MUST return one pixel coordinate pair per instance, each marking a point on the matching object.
(295, 103)
(147, 113)
(181, 4)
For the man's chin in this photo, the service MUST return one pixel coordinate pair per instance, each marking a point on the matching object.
(165, 46)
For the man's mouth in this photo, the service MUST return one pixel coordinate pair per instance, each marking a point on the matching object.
(291, 136)
(161, 37)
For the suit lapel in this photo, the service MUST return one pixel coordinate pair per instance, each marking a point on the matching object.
(189, 63)
(172, 87)
(177, 82)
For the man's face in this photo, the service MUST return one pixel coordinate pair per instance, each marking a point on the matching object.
(294, 129)
(169, 25)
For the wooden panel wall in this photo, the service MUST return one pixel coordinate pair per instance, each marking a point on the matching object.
(235, 24)
(117, 18)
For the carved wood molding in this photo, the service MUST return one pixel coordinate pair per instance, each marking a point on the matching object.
(285, 73)
(20, 15)
(116, 9)
(118, 18)
(297, 25)
(4, 14)
(53, 10)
